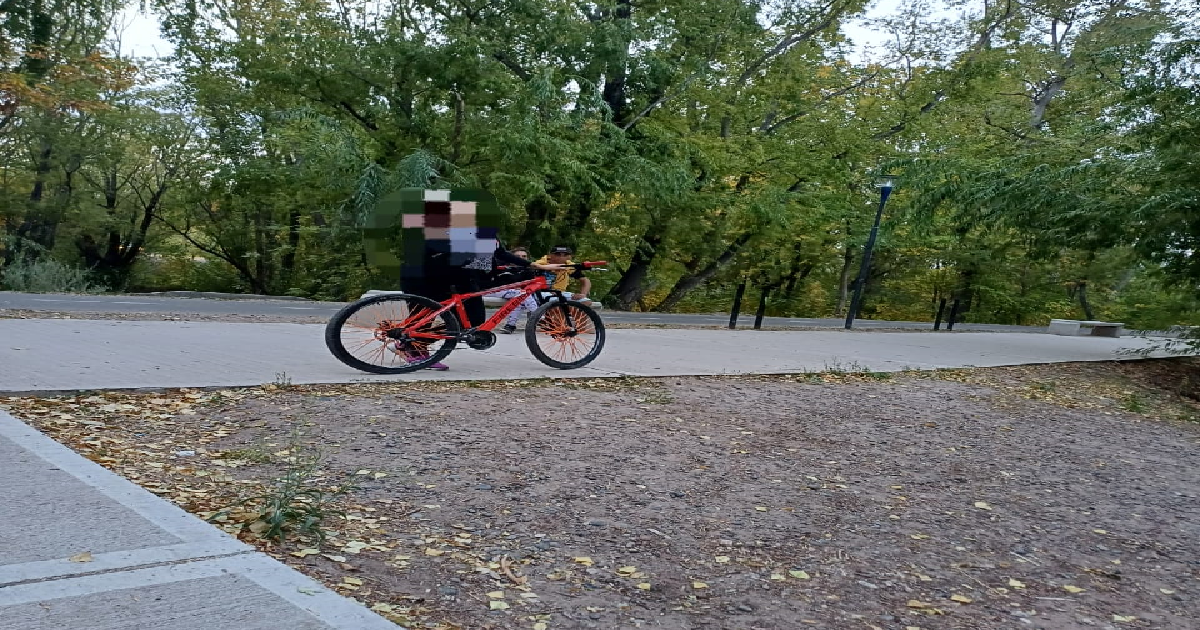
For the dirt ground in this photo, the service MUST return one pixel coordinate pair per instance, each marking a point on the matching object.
(1053, 497)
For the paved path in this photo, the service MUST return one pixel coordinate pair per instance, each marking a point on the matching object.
(140, 562)
(184, 306)
(47, 355)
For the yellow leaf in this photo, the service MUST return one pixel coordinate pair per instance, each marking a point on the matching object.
(778, 576)
(430, 551)
(1015, 583)
(722, 559)
(379, 475)
(962, 599)
(496, 594)
(383, 607)
(82, 557)
(761, 509)
(918, 536)
(541, 625)
(1166, 591)
(1072, 589)
(916, 603)
(1124, 618)
(335, 558)
(352, 580)
(584, 560)
(645, 586)
(982, 505)
(498, 605)
(305, 552)
(627, 570)
(1099, 531)
(799, 575)
(699, 585)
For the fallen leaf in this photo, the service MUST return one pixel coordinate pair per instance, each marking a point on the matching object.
(496, 594)
(982, 505)
(305, 552)
(82, 557)
(337, 558)
(1100, 531)
(430, 551)
(962, 599)
(645, 586)
(799, 575)
(627, 570)
(1166, 591)
(1124, 618)
(584, 560)
(916, 603)
(1015, 583)
(722, 559)
(778, 576)
(498, 605)
(382, 607)
(352, 580)
(761, 508)
(541, 625)
(1072, 589)
(918, 536)
(699, 585)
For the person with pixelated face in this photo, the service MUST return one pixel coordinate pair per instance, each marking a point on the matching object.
(451, 244)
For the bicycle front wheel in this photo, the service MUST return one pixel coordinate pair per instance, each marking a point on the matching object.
(565, 335)
(385, 334)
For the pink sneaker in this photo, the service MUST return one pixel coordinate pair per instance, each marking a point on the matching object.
(441, 367)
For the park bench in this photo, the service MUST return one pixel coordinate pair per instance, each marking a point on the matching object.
(1072, 327)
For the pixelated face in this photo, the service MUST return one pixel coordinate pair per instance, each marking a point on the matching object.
(522, 254)
(459, 223)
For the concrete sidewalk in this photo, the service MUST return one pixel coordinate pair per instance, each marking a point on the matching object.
(82, 548)
(50, 355)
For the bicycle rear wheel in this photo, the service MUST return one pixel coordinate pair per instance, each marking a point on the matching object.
(565, 335)
(380, 334)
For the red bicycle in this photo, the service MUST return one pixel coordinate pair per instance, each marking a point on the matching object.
(396, 333)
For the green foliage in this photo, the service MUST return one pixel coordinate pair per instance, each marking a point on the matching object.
(46, 276)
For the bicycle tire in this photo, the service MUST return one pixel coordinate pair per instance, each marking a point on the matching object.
(549, 323)
(391, 360)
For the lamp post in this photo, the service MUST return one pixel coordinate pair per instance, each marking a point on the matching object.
(884, 183)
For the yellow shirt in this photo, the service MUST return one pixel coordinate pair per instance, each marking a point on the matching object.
(557, 280)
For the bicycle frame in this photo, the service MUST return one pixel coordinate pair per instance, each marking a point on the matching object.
(528, 288)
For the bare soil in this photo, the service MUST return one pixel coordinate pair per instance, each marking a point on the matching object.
(1054, 497)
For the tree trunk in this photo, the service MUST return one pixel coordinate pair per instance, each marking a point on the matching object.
(1083, 301)
(630, 289)
(844, 282)
(617, 70)
(691, 281)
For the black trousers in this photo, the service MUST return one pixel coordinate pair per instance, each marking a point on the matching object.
(438, 283)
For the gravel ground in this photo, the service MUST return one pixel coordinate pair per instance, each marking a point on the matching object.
(1053, 497)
